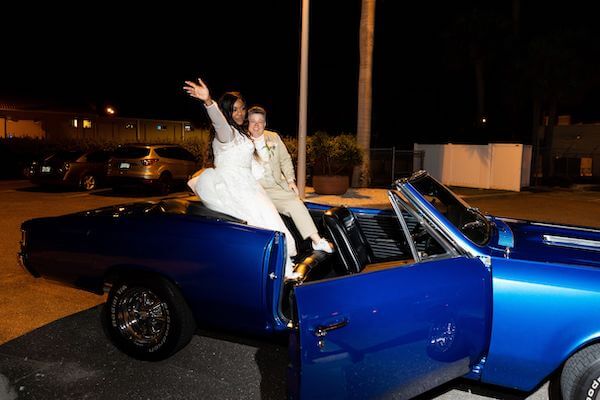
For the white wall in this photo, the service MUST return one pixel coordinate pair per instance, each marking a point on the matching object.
(492, 166)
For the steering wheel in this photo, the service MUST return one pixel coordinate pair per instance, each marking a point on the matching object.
(472, 225)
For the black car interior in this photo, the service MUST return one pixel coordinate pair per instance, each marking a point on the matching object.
(352, 247)
(364, 242)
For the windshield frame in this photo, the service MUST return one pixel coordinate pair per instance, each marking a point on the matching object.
(436, 217)
(400, 203)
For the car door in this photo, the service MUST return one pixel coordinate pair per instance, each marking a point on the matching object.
(395, 332)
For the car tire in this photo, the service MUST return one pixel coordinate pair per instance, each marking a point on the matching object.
(88, 182)
(147, 318)
(580, 378)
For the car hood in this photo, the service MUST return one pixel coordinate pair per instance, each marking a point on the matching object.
(538, 241)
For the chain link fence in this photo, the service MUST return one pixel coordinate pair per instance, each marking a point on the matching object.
(567, 167)
(388, 164)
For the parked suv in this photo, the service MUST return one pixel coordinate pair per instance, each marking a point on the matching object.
(155, 165)
(85, 170)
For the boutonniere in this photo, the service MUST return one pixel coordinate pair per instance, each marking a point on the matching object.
(270, 146)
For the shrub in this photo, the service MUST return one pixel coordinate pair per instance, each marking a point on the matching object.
(332, 155)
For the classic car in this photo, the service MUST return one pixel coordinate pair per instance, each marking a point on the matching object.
(415, 295)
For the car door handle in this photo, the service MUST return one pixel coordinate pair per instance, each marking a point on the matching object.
(321, 330)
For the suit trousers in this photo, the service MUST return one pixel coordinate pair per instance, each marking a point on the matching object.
(288, 203)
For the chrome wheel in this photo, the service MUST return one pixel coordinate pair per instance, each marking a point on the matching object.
(146, 317)
(88, 182)
(142, 317)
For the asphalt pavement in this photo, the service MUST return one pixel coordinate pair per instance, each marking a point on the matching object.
(72, 359)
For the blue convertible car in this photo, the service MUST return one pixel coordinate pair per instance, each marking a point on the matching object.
(416, 295)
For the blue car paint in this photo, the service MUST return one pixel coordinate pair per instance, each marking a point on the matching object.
(543, 312)
(502, 236)
(530, 244)
(408, 328)
(541, 305)
(220, 266)
(273, 271)
(545, 296)
(221, 272)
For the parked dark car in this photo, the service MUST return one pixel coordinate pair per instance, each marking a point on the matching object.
(84, 170)
(414, 296)
(160, 166)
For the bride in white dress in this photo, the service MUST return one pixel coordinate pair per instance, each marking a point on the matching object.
(230, 187)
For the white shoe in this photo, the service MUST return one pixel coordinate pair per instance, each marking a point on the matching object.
(292, 276)
(323, 245)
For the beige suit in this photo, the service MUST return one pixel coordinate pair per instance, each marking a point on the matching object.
(277, 185)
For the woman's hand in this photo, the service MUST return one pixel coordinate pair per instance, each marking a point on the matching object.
(198, 91)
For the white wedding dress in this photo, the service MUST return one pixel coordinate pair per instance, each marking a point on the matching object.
(232, 189)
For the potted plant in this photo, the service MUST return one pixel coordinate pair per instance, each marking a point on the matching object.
(332, 159)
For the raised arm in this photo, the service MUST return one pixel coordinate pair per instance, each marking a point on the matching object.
(200, 91)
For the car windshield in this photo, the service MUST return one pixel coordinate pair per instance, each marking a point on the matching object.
(65, 156)
(470, 221)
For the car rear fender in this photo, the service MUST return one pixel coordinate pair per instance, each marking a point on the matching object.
(125, 271)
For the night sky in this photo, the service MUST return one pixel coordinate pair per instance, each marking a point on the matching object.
(424, 80)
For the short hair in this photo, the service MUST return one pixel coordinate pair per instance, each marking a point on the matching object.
(257, 110)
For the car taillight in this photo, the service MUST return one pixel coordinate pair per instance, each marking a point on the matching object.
(149, 161)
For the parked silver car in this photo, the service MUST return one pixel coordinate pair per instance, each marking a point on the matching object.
(157, 165)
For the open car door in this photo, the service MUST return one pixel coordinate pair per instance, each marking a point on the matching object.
(394, 332)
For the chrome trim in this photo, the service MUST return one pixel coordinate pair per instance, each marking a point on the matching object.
(577, 228)
(21, 260)
(141, 317)
(486, 260)
(458, 241)
(446, 242)
(23, 241)
(411, 243)
(571, 242)
(477, 369)
(321, 330)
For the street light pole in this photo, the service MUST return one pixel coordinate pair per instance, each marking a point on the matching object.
(302, 113)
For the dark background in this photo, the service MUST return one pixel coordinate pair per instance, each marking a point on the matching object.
(136, 57)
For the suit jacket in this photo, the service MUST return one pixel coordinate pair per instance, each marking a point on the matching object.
(279, 160)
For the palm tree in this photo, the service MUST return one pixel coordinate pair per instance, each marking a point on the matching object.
(475, 38)
(365, 94)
